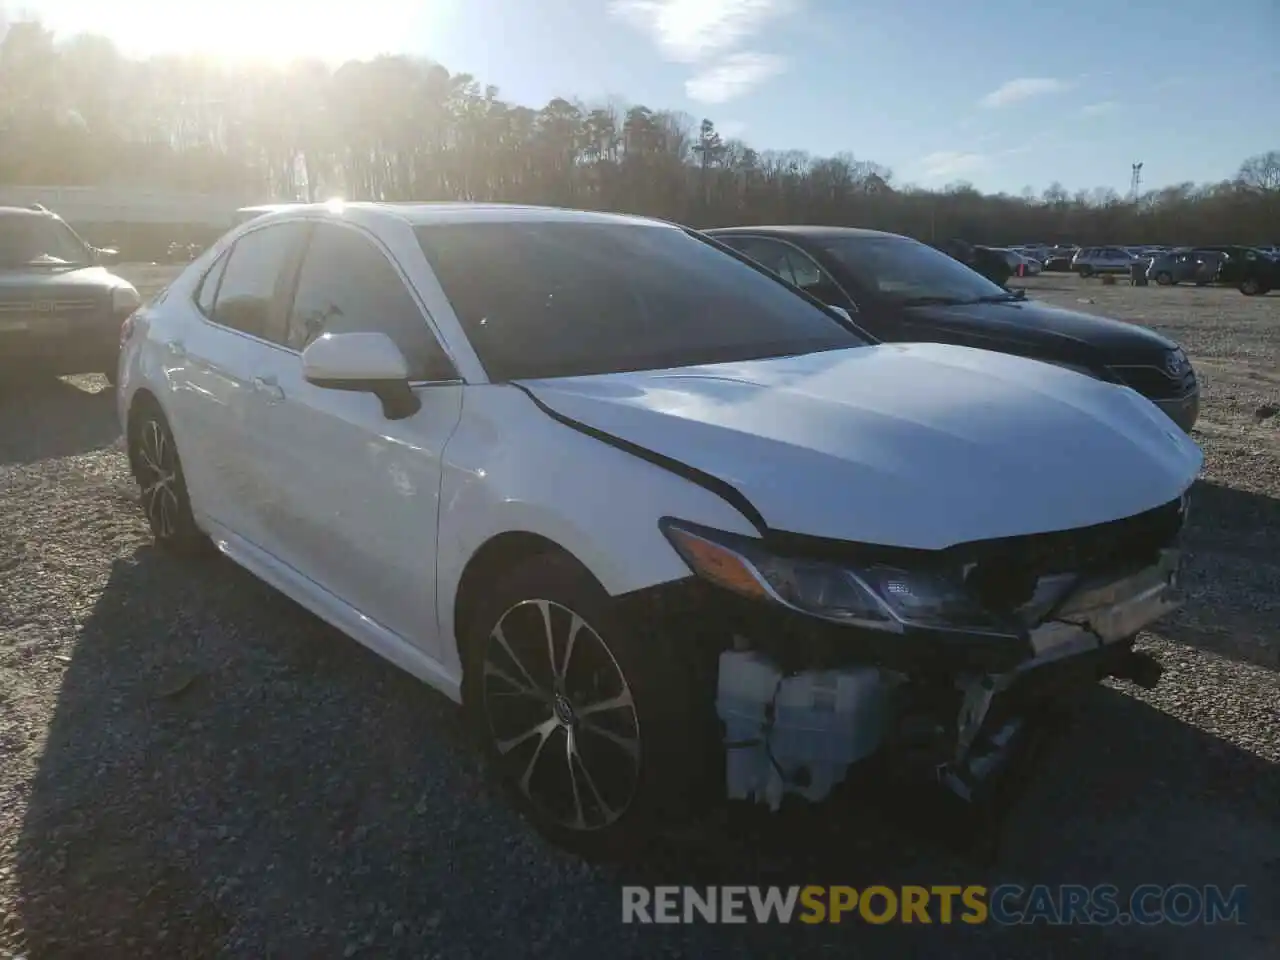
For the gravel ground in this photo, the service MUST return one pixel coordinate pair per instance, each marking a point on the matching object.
(192, 766)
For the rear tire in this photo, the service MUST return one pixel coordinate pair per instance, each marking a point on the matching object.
(1086, 272)
(595, 750)
(1250, 287)
(162, 486)
(1164, 278)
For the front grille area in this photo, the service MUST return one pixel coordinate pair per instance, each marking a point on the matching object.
(1155, 384)
(1004, 572)
(65, 307)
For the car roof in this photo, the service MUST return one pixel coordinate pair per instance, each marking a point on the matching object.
(425, 214)
(800, 230)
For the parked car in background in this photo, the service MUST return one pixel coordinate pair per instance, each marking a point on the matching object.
(1024, 265)
(420, 422)
(1059, 262)
(60, 308)
(993, 263)
(902, 290)
(1091, 260)
(1250, 270)
(1186, 265)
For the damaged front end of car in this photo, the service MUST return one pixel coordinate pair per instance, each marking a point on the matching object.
(829, 654)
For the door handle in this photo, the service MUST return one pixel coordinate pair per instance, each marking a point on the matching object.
(268, 387)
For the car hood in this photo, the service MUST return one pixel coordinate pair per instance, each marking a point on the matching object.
(908, 445)
(27, 282)
(1037, 325)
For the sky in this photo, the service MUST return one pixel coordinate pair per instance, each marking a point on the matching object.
(1003, 95)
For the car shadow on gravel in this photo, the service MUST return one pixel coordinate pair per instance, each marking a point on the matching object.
(1232, 577)
(45, 417)
(226, 776)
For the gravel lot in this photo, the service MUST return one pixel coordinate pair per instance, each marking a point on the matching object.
(192, 766)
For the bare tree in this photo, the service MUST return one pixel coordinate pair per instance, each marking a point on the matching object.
(400, 127)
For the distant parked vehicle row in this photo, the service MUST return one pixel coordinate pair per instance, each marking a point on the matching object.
(1249, 269)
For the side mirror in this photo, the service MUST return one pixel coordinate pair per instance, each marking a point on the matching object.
(362, 363)
(106, 256)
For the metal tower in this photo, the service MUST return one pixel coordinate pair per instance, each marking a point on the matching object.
(1135, 182)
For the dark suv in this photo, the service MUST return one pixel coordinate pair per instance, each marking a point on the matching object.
(60, 309)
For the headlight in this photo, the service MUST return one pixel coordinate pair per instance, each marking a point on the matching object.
(125, 299)
(874, 596)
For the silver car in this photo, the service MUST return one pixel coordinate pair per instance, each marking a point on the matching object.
(1091, 260)
(1185, 265)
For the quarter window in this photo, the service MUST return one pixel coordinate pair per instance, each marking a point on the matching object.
(347, 285)
(247, 294)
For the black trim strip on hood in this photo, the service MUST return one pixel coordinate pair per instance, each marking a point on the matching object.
(720, 488)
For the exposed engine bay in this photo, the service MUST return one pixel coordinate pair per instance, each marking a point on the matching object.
(1076, 600)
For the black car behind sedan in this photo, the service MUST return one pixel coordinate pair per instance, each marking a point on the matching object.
(60, 310)
(898, 289)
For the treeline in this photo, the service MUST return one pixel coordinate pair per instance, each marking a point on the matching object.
(77, 112)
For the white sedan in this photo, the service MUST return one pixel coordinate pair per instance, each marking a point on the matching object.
(668, 530)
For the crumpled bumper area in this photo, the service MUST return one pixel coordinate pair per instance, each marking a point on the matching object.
(795, 730)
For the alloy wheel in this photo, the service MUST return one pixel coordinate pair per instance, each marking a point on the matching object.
(561, 715)
(157, 466)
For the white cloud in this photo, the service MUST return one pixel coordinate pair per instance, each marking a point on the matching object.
(947, 164)
(689, 31)
(1023, 88)
(710, 34)
(1099, 109)
(733, 76)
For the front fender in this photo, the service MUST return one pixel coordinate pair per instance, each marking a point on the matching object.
(512, 468)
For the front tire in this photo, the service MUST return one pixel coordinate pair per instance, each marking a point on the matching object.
(1086, 272)
(583, 718)
(1164, 278)
(153, 455)
(1250, 287)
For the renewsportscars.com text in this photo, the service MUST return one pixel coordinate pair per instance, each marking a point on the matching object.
(1006, 904)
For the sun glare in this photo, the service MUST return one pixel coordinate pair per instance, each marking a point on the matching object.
(275, 31)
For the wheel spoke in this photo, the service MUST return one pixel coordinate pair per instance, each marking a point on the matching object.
(613, 703)
(545, 609)
(501, 637)
(575, 625)
(609, 813)
(519, 688)
(629, 745)
(542, 730)
(570, 755)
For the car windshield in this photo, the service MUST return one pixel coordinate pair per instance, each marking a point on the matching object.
(908, 272)
(28, 240)
(557, 299)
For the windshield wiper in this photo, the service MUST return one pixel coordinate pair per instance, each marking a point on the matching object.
(1000, 298)
(933, 302)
